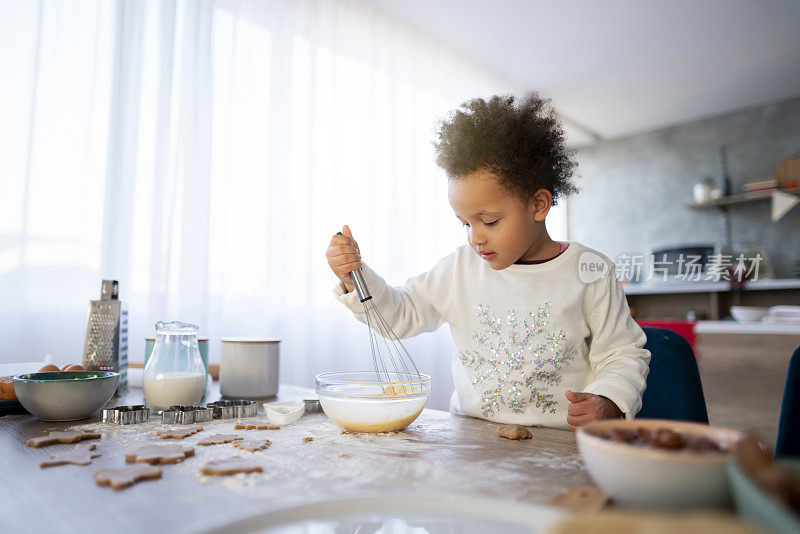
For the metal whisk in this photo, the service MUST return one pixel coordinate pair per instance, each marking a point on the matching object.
(393, 349)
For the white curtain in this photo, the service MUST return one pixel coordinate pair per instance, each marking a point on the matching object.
(203, 153)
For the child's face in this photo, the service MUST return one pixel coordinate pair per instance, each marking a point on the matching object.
(501, 227)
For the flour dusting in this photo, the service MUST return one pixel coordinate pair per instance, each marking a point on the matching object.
(421, 457)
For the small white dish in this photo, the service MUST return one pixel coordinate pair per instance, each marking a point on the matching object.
(284, 413)
(748, 314)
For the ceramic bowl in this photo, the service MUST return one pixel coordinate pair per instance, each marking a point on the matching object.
(363, 402)
(641, 476)
(65, 395)
(748, 314)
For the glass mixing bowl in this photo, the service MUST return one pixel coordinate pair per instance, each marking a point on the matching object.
(361, 402)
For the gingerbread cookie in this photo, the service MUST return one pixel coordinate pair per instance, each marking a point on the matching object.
(309, 438)
(179, 433)
(80, 455)
(230, 466)
(219, 439)
(253, 445)
(514, 432)
(70, 436)
(125, 476)
(168, 453)
(255, 425)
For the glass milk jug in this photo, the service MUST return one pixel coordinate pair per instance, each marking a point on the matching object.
(175, 373)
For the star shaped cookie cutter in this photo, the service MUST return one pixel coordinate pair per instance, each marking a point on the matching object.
(186, 415)
(228, 409)
(126, 415)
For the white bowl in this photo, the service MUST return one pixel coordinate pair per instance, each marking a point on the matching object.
(640, 476)
(362, 402)
(748, 314)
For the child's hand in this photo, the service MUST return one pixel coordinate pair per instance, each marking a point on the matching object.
(587, 407)
(344, 257)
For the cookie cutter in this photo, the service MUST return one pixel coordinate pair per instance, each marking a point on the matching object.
(312, 405)
(228, 409)
(186, 415)
(284, 413)
(126, 415)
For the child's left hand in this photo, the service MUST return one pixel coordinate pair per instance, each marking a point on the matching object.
(587, 407)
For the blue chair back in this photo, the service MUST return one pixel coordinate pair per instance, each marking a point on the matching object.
(788, 443)
(674, 390)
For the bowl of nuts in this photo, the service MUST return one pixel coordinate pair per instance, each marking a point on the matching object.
(656, 463)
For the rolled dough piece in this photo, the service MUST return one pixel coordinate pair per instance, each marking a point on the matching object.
(230, 466)
(70, 436)
(179, 433)
(253, 445)
(80, 455)
(255, 425)
(581, 499)
(125, 476)
(168, 453)
(219, 439)
(514, 432)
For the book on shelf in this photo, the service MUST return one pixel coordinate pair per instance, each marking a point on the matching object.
(766, 183)
(757, 187)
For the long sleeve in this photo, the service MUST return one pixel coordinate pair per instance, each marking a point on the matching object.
(409, 310)
(616, 353)
(523, 335)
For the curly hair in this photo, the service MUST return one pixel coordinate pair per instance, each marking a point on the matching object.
(523, 145)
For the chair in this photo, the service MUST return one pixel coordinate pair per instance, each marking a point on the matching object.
(674, 390)
(788, 443)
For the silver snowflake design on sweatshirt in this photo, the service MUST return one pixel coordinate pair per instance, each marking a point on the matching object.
(516, 361)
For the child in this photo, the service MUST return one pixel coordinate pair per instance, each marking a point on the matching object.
(542, 329)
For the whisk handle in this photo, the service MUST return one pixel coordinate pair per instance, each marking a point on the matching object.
(357, 277)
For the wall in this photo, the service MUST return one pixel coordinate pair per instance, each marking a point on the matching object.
(634, 190)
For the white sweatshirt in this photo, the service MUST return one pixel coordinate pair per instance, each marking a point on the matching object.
(523, 335)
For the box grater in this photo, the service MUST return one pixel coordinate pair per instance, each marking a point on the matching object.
(106, 346)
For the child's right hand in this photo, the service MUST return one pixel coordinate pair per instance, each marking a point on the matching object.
(343, 257)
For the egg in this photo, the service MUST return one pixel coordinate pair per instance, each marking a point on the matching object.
(49, 368)
(74, 367)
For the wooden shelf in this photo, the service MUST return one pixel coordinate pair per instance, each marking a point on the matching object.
(700, 286)
(733, 327)
(738, 199)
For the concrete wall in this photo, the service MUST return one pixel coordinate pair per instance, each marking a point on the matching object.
(634, 190)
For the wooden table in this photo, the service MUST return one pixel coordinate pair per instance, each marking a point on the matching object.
(438, 455)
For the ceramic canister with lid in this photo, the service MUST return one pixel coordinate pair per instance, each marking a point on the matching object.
(249, 367)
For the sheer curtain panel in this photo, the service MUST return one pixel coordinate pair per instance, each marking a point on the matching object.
(202, 153)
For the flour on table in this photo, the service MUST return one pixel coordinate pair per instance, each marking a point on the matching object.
(349, 463)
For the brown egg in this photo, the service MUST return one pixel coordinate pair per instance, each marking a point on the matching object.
(49, 368)
(74, 367)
